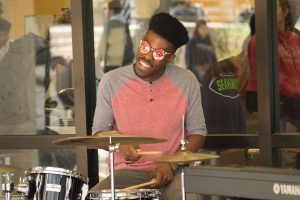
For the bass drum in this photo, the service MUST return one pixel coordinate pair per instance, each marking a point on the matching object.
(51, 183)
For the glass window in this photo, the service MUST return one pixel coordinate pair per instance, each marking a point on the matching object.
(290, 158)
(37, 92)
(219, 32)
(289, 64)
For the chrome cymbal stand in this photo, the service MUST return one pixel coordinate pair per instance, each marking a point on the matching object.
(182, 165)
(183, 142)
(112, 148)
(7, 186)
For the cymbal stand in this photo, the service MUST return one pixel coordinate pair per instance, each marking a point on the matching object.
(7, 186)
(112, 148)
(183, 142)
(181, 165)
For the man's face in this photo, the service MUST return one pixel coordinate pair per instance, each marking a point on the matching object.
(203, 31)
(146, 67)
(3, 38)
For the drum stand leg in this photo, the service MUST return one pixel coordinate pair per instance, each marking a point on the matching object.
(182, 182)
(7, 186)
(112, 149)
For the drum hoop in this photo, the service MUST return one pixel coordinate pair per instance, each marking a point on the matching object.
(57, 171)
(121, 193)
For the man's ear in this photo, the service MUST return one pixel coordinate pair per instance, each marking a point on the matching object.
(171, 58)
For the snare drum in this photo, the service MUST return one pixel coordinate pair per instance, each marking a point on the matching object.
(49, 183)
(137, 194)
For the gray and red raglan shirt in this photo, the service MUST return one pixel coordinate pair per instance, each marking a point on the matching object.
(133, 106)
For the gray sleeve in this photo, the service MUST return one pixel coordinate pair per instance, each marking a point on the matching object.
(195, 121)
(103, 117)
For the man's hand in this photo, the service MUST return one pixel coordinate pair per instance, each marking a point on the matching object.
(164, 174)
(129, 152)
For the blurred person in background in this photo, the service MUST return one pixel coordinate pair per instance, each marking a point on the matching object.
(289, 68)
(116, 47)
(244, 68)
(199, 52)
(252, 32)
(221, 100)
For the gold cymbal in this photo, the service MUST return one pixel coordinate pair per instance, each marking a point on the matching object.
(66, 90)
(51, 109)
(183, 157)
(108, 133)
(8, 169)
(102, 140)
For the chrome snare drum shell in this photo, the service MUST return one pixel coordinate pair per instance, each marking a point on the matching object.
(136, 194)
(50, 183)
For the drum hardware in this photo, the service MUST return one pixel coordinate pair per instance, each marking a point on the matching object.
(7, 186)
(183, 157)
(108, 140)
(23, 187)
(137, 194)
(50, 183)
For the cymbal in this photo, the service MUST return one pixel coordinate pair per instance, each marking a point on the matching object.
(8, 169)
(66, 90)
(109, 133)
(102, 140)
(51, 109)
(183, 157)
(66, 95)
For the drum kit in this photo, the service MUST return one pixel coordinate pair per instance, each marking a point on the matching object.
(51, 183)
(45, 183)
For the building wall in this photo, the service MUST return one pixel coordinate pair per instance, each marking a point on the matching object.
(16, 11)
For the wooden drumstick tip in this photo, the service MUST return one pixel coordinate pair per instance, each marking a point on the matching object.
(141, 152)
(153, 181)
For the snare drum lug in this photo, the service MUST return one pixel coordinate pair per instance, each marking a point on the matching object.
(7, 186)
(23, 187)
(84, 191)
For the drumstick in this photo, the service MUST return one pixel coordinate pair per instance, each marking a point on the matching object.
(153, 181)
(141, 152)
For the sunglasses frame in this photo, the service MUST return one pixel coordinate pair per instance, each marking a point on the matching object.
(153, 50)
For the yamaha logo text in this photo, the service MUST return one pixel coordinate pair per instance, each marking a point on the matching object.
(286, 189)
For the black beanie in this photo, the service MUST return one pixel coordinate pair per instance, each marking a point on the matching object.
(169, 28)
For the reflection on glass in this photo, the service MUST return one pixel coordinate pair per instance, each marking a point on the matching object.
(16, 162)
(36, 69)
(241, 157)
(115, 48)
(289, 65)
(290, 158)
(297, 25)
